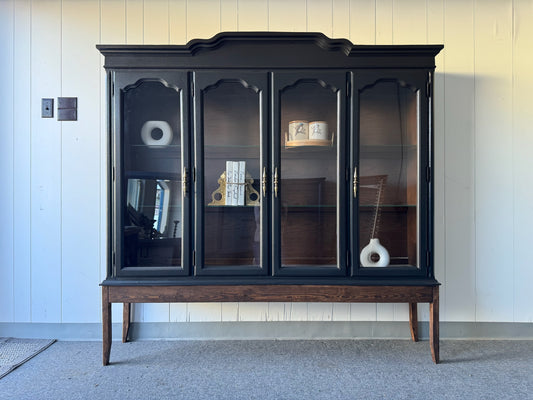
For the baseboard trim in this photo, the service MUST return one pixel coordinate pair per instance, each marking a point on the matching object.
(269, 330)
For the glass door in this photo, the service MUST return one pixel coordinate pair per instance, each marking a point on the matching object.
(389, 190)
(150, 143)
(307, 177)
(231, 171)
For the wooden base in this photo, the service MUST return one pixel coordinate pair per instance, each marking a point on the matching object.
(272, 293)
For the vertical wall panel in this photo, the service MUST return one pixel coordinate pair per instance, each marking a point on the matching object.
(134, 21)
(319, 312)
(409, 22)
(340, 312)
(459, 123)
(320, 16)
(341, 19)
(253, 15)
(228, 15)
(298, 312)
(288, 16)
(203, 19)
(384, 22)
(22, 162)
(80, 217)
(112, 22)
(279, 311)
(253, 311)
(177, 12)
(494, 160)
(46, 159)
(112, 30)
(156, 22)
(230, 312)
(522, 160)
(363, 21)
(204, 312)
(6, 163)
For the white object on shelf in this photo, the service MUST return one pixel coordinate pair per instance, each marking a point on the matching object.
(148, 129)
(241, 182)
(298, 130)
(374, 247)
(318, 130)
(229, 183)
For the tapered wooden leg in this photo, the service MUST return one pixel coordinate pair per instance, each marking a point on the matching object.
(126, 313)
(106, 325)
(434, 325)
(413, 321)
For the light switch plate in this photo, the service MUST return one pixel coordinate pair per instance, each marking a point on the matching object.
(47, 108)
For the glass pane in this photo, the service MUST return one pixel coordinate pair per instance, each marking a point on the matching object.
(308, 175)
(388, 195)
(152, 188)
(232, 175)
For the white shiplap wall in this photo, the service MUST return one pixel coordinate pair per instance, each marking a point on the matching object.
(52, 174)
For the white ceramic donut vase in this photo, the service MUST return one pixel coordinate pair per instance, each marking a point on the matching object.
(146, 134)
(374, 247)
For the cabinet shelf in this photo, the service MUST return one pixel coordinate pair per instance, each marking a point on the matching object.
(152, 175)
(229, 206)
(386, 207)
(232, 152)
(387, 151)
(155, 147)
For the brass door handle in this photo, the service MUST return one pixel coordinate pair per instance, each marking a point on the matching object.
(355, 182)
(185, 181)
(264, 182)
(276, 182)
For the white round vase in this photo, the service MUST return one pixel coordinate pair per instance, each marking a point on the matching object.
(374, 247)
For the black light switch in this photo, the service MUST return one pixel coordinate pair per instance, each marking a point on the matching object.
(67, 108)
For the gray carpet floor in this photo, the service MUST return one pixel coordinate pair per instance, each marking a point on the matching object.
(319, 369)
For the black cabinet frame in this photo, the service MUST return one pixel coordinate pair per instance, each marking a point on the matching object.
(267, 63)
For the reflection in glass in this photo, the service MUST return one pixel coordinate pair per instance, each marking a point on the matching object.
(152, 230)
(308, 175)
(151, 137)
(232, 175)
(388, 165)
